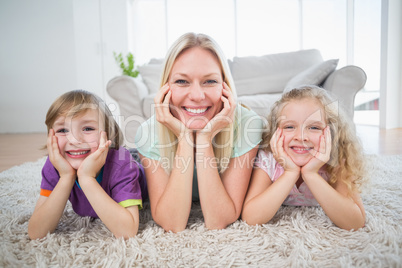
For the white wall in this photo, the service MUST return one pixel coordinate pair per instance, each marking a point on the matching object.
(37, 59)
(391, 64)
(49, 47)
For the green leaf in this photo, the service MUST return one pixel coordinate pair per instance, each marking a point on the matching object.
(128, 69)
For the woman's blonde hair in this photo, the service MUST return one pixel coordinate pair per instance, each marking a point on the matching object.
(77, 102)
(347, 161)
(223, 142)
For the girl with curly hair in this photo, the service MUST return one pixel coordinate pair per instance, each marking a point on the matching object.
(310, 156)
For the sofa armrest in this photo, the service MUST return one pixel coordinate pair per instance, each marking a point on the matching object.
(128, 92)
(344, 84)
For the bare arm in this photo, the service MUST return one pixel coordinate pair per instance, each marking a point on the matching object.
(122, 222)
(222, 197)
(171, 195)
(48, 210)
(345, 211)
(264, 198)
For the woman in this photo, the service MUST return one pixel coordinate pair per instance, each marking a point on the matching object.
(199, 145)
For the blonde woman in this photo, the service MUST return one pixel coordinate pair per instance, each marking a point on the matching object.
(311, 156)
(199, 145)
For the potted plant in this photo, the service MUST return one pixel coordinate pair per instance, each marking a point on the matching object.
(128, 68)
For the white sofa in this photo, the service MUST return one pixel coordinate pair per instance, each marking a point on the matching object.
(259, 81)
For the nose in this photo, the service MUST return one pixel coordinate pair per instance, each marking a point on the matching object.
(300, 135)
(74, 138)
(196, 93)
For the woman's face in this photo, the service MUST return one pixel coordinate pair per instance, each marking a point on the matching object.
(196, 84)
(303, 124)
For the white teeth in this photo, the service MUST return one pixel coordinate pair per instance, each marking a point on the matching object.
(301, 149)
(195, 111)
(78, 153)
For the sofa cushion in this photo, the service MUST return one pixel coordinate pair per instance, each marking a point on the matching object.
(151, 75)
(314, 75)
(270, 73)
(148, 108)
(260, 103)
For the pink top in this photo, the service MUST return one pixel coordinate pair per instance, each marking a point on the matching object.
(301, 196)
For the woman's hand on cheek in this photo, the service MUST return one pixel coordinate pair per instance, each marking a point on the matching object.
(279, 153)
(58, 161)
(223, 118)
(163, 113)
(322, 156)
(95, 161)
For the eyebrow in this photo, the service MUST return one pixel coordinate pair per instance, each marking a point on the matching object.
(61, 122)
(207, 75)
(90, 121)
(281, 121)
(308, 122)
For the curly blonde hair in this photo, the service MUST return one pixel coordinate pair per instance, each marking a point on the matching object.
(347, 161)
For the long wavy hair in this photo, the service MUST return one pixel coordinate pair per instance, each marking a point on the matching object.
(223, 141)
(77, 102)
(347, 162)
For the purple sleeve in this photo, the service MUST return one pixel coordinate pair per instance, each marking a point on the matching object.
(50, 176)
(126, 176)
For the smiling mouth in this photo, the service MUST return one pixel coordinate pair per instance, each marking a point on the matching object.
(77, 153)
(196, 111)
(300, 150)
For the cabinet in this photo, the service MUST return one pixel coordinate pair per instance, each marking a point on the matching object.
(100, 27)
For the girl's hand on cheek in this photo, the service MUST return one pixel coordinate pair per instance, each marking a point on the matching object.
(58, 161)
(279, 153)
(95, 161)
(163, 114)
(322, 156)
(224, 117)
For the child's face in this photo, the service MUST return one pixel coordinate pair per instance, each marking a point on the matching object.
(196, 84)
(303, 123)
(78, 137)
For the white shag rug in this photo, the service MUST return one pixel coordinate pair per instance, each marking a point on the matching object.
(296, 237)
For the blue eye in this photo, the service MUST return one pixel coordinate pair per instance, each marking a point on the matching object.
(180, 81)
(211, 81)
(314, 128)
(288, 127)
(89, 129)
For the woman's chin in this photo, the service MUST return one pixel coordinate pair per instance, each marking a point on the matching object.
(196, 125)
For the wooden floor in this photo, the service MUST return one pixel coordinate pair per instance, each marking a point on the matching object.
(16, 149)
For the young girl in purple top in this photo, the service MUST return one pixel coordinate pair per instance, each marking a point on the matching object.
(87, 166)
(311, 157)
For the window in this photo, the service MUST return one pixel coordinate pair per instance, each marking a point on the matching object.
(366, 54)
(338, 28)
